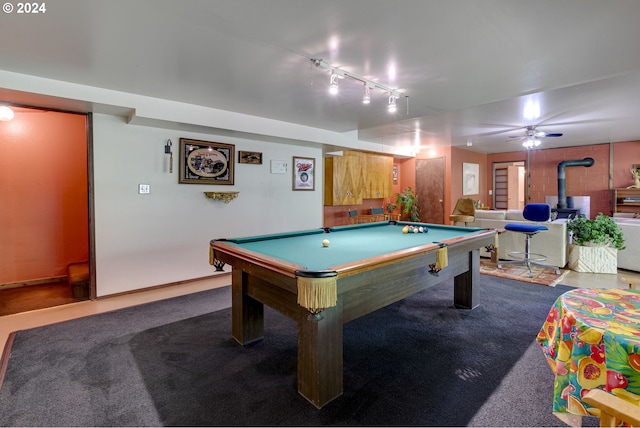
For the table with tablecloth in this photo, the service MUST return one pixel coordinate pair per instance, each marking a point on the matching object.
(591, 339)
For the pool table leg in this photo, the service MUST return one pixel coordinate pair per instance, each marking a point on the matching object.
(247, 314)
(465, 286)
(320, 367)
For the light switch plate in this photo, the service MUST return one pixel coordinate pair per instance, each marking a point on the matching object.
(144, 189)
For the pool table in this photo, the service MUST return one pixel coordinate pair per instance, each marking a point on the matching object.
(364, 268)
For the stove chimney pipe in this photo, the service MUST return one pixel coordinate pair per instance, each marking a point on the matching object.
(562, 179)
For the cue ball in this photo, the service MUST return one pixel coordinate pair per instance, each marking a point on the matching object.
(325, 242)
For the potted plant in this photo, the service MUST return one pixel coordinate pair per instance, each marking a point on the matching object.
(594, 244)
(408, 203)
(390, 207)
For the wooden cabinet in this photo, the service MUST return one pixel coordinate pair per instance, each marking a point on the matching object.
(379, 176)
(626, 200)
(354, 176)
(343, 179)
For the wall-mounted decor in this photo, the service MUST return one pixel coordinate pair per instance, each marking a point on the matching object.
(395, 174)
(304, 171)
(250, 157)
(635, 172)
(278, 166)
(206, 162)
(470, 179)
(225, 197)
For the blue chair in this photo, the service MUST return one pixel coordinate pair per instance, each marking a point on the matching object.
(535, 213)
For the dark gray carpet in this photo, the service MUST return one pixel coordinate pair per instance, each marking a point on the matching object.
(417, 362)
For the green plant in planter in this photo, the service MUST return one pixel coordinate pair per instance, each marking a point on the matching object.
(390, 207)
(408, 203)
(601, 231)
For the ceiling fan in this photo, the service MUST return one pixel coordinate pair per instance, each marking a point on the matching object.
(532, 137)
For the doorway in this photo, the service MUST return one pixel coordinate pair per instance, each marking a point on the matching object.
(44, 187)
(509, 184)
(430, 189)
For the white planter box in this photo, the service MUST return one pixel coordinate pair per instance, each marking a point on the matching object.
(593, 259)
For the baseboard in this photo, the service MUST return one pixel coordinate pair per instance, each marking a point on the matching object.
(169, 284)
(30, 282)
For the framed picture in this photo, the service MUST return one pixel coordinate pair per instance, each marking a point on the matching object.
(250, 157)
(395, 174)
(470, 179)
(205, 162)
(304, 171)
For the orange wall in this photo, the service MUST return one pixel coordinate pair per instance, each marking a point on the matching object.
(43, 194)
(580, 181)
(458, 157)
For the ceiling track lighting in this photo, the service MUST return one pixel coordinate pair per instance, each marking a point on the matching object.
(366, 98)
(333, 84)
(392, 107)
(337, 73)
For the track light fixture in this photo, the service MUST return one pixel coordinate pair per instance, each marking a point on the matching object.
(337, 73)
(366, 98)
(333, 84)
(392, 107)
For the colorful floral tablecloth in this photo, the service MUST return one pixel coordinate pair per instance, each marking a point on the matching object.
(591, 339)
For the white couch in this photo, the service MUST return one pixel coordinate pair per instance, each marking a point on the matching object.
(629, 258)
(551, 243)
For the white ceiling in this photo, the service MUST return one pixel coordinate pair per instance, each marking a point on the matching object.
(468, 67)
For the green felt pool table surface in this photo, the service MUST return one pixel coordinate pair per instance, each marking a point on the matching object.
(347, 243)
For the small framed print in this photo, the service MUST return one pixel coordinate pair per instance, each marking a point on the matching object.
(250, 157)
(470, 179)
(304, 171)
(205, 162)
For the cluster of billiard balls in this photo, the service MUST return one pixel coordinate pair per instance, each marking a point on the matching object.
(414, 229)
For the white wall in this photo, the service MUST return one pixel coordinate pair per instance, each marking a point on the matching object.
(163, 237)
(148, 240)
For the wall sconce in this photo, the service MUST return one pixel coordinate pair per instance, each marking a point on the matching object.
(167, 150)
(6, 114)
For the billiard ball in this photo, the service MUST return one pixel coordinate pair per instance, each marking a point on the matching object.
(325, 242)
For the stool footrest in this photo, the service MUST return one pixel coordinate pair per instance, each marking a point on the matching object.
(533, 257)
